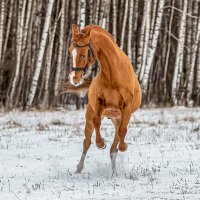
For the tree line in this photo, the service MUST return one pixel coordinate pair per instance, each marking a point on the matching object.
(161, 38)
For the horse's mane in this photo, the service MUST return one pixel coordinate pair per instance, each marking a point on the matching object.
(98, 28)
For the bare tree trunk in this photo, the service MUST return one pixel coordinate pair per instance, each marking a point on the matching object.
(152, 49)
(107, 15)
(25, 32)
(7, 29)
(21, 19)
(82, 13)
(130, 29)
(179, 55)
(191, 73)
(2, 21)
(26, 46)
(124, 25)
(48, 63)
(197, 89)
(114, 30)
(153, 18)
(91, 5)
(168, 51)
(60, 51)
(102, 12)
(141, 38)
(134, 40)
(96, 19)
(146, 40)
(41, 53)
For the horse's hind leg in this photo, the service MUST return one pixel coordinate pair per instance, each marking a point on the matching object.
(113, 149)
(89, 128)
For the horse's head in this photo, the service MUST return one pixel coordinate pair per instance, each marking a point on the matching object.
(82, 55)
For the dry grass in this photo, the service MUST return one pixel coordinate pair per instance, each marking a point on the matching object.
(58, 122)
(67, 87)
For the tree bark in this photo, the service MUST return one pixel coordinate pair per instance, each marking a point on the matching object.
(124, 24)
(41, 53)
(152, 48)
(179, 55)
(2, 21)
(130, 29)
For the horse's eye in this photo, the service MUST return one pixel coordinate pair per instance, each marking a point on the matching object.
(82, 56)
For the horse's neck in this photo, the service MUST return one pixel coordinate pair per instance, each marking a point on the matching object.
(108, 57)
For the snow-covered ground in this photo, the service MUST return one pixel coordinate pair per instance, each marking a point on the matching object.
(39, 152)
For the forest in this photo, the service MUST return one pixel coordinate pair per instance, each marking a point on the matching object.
(161, 38)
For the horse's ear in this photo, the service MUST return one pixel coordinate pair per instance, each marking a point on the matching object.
(86, 31)
(75, 30)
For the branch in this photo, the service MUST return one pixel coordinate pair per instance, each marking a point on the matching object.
(177, 9)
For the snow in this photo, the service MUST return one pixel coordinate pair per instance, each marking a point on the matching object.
(39, 152)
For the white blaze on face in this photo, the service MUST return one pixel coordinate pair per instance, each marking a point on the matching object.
(72, 74)
(74, 54)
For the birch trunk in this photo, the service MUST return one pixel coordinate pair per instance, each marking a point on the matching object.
(102, 12)
(96, 19)
(2, 21)
(146, 40)
(179, 55)
(124, 24)
(152, 49)
(25, 32)
(130, 29)
(134, 52)
(7, 29)
(191, 73)
(27, 47)
(197, 89)
(114, 27)
(49, 60)
(91, 5)
(106, 15)
(153, 18)
(82, 13)
(141, 38)
(168, 50)
(21, 18)
(41, 53)
(60, 51)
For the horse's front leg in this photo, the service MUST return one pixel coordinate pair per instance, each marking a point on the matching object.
(89, 128)
(100, 142)
(126, 115)
(113, 149)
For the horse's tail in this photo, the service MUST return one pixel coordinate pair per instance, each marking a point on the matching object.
(112, 112)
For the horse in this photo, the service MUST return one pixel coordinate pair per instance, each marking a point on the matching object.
(114, 93)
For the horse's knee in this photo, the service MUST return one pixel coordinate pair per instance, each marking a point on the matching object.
(122, 145)
(96, 121)
(89, 127)
(86, 144)
(122, 131)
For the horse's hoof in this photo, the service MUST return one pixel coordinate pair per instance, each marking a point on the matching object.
(79, 169)
(123, 147)
(101, 144)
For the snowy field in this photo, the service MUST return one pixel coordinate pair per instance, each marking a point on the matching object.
(39, 152)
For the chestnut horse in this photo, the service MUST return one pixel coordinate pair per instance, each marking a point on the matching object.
(115, 91)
